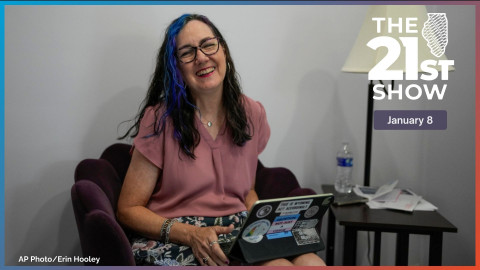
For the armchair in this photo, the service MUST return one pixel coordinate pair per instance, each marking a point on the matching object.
(97, 188)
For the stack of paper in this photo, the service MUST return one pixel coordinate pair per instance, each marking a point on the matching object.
(389, 197)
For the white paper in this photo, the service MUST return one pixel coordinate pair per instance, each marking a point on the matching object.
(389, 197)
(385, 189)
(367, 192)
(424, 205)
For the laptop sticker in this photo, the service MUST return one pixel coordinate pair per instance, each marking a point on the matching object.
(312, 211)
(255, 231)
(283, 223)
(293, 207)
(279, 235)
(264, 211)
(305, 224)
(306, 236)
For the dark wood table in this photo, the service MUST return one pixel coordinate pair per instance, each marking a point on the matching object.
(359, 217)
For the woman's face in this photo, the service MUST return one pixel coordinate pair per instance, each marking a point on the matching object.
(205, 74)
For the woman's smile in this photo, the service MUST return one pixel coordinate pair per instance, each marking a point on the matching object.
(205, 72)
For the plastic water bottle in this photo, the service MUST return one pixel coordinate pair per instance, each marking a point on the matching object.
(343, 181)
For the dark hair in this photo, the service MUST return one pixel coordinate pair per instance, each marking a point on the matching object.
(167, 88)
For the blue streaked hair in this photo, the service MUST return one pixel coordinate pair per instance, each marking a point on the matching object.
(167, 88)
(175, 89)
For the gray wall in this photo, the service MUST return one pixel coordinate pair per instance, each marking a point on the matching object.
(73, 73)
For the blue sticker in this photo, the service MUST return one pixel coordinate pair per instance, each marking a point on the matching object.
(279, 235)
(283, 224)
(285, 218)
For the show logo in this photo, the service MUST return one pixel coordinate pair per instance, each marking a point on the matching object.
(435, 34)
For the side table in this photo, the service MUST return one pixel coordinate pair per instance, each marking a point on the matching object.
(359, 217)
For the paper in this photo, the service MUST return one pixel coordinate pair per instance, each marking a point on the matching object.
(424, 205)
(389, 197)
(373, 193)
(405, 201)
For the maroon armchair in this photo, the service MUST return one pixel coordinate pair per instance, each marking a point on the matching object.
(97, 187)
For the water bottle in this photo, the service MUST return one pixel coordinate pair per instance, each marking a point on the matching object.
(343, 181)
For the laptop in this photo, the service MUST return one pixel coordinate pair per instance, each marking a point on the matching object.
(279, 228)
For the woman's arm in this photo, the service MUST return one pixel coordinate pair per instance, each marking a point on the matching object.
(252, 197)
(138, 186)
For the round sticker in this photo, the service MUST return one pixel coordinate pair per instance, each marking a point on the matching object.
(255, 231)
(264, 211)
(311, 211)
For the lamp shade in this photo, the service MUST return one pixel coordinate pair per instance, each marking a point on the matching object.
(362, 58)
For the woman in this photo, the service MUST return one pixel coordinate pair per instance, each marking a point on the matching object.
(196, 146)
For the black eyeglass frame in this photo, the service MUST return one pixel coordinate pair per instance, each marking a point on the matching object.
(195, 49)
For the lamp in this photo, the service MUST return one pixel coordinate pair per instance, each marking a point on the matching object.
(362, 58)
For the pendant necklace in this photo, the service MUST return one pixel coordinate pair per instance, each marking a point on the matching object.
(209, 123)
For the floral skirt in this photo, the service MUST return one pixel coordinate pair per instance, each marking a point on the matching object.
(152, 252)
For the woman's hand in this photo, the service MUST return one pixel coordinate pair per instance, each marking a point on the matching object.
(203, 241)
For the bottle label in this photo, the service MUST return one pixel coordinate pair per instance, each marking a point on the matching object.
(345, 162)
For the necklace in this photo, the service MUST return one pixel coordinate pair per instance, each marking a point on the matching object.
(209, 123)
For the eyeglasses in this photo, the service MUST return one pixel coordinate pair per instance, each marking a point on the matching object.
(189, 53)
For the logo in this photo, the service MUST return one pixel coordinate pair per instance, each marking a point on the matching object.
(312, 211)
(264, 211)
(402, 40)
(255, 231)
(435, 33)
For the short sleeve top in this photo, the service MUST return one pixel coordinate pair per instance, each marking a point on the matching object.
(214, 184)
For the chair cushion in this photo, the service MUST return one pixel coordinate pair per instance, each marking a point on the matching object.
(274, 183)
(301, 192)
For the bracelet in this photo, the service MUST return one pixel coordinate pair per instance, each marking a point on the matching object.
(164, 227)
(167, 231)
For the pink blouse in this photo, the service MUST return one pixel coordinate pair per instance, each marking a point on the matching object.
(217, 182)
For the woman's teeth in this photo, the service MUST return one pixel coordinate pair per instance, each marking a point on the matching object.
(205, 71)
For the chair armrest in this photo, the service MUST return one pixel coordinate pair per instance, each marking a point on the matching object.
(107, 240)
(101, 236)
(103, 174)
